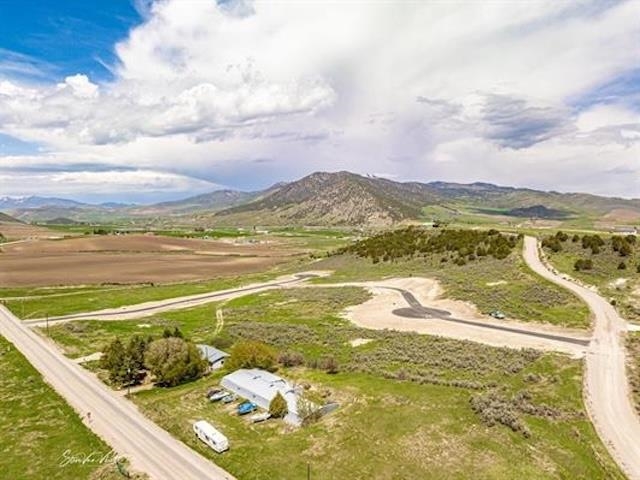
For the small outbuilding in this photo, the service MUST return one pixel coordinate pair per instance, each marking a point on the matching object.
(260, 386)
(214, 357)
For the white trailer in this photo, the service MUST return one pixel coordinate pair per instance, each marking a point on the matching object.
(209, 435)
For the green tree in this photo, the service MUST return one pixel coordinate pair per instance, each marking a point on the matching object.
(115, 362)
(278, 407)
(173, 361)
(251, 354)
(175, 333)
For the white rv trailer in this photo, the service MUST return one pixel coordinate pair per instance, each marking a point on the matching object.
(209, 435)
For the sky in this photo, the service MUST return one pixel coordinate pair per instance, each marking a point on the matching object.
(142, 100)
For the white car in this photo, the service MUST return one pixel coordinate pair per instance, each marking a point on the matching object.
(260, 417)
(216, 397)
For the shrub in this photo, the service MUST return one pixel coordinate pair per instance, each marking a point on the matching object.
(329, 364)
(583, 264)
(290, 359)
(252, 354)
(278, 407)
(308, 411)
(622, 266)
(175, 333)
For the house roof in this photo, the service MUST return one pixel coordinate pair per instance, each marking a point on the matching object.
(212, 354)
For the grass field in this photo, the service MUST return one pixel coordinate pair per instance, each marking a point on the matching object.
(40, 301)
(41, 427)
(405, 402)
(405, 398)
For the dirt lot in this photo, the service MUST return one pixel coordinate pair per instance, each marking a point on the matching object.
(377, 313)
(132, 259)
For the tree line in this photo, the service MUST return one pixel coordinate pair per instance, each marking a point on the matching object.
(460, 245)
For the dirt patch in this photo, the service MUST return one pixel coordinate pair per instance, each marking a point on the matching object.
(356, 342)
(378, 313)
(131, 259)
(495, 284)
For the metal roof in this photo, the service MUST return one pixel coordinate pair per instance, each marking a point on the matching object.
(260, 387)
(212, 354)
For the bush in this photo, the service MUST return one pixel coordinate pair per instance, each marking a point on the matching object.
(290, 359)
(252, 354)
(278, 407)
(308, 411)
(174, 360)
(176, 333)
(329, 364)
(583, 264)
(622, 266)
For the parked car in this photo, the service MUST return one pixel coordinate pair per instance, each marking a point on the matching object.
(232, 397)
(497, 314)
(260, 417)
(247, 407)
(218, 396)
(213, 391)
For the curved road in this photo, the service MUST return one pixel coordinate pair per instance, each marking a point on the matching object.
(417, 310)
(607, 393)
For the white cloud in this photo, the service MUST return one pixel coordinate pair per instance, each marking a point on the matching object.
(486, 89)
(107, 182)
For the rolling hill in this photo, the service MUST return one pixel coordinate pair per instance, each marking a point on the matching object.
(341, 198)
(345, 198)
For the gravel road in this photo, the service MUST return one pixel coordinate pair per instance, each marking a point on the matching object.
(149, 448)
(607, 393)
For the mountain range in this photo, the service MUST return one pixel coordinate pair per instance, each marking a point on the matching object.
(340, 199)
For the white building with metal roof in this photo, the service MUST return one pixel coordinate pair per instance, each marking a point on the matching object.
(214, 356)
(260, 386)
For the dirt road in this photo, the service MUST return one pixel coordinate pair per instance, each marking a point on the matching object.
(149, 448)
(147, 309)
(607, 394)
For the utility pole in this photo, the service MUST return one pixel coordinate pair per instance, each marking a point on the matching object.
(128, 382)
(308, 471)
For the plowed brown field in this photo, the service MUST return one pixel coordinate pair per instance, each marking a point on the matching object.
(132, 259)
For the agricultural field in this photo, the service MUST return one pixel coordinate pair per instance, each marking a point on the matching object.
(135, 259)
(611, 263)
(513, 414)
(42, 427)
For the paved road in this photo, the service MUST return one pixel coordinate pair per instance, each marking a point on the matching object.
(607, 393)
(151, 308)
(417, 310)
(149, 448)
